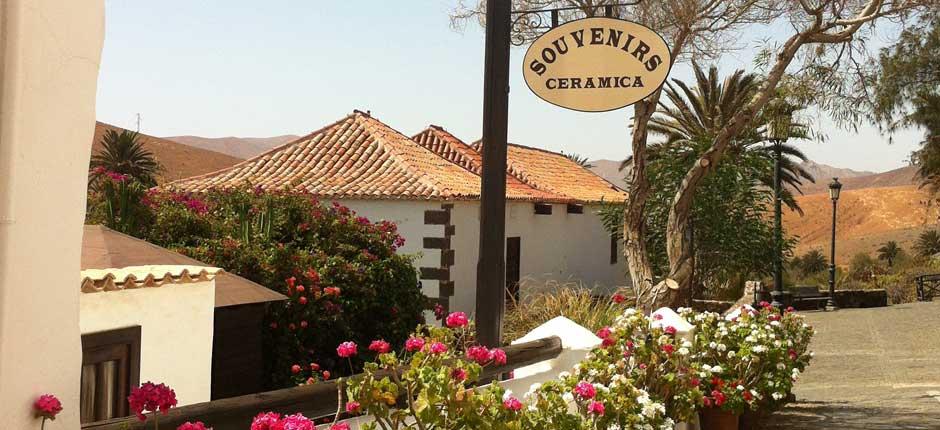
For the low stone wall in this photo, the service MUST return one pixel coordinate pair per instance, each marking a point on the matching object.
(861, 298)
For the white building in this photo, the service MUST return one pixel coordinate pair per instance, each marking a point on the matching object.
(430, 187)
(145, 323)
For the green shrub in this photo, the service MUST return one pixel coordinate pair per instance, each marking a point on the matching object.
(340, 271)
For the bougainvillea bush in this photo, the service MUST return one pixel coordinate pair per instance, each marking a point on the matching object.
(340, 271)
(750, 359)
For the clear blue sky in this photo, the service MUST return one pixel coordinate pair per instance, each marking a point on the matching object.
(259, 68)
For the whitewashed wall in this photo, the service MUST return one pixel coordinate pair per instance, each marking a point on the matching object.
(408, 215)
(176, 326)
(49, 52)
(560, 247)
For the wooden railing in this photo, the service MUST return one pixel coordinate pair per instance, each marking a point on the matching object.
(316, 400)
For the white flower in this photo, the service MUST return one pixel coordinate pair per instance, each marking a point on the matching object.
(777, 396)
(775, 323)
(781, 366)
(564, 375)
(722, 347)
(683, 351)
(739, 388)
(760, 348)
(507, 394)
(712, 345)
(567, 397)
(686, 344)
(731, 354)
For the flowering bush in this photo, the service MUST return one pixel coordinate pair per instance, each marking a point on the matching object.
(435, 372)
(274, 421)
(198, 425)
(150, 397)
(340, 271)
(642, 369)
(750, 359)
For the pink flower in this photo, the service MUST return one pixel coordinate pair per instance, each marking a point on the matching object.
(790, 309)
(295, 422)
(608, 342)
(347, 349)
(604, 333)
(585, 390)
(642, 366)
(295, 369)
(352, 407)
(198, 425)
(439, 311)
(618, 298)
(438, 348)
(458, 374)
(380, 347)
(657, 317)
(498, 356)
(669, 348)
(414, 344)
(596, 408)
(478, 354)
(339, 426)
(150, 397)
(512, 403)
(670, 330)
(457, 319)
(47, 406)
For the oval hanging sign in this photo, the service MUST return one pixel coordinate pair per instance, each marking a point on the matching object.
(596, 64)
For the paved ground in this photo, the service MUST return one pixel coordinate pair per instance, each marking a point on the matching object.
(874, 369)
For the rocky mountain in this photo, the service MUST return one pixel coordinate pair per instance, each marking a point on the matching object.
(241, 147)
(178, 160)
(853, 180)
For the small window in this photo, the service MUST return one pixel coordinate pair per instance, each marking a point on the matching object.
(110, 367)
(613, 249)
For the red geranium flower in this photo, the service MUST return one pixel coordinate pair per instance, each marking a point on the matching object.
(457, 319)
(380, 346)
(347, 349)
(47, 406)
(150, 397)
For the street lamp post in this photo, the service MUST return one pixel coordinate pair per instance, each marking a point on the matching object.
(834, 189)
(779, 131)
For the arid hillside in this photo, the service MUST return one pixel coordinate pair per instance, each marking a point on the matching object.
(241, 147)
(867, 218)
(178, 160)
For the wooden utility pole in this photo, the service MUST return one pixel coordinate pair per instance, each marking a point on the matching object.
(491, 266)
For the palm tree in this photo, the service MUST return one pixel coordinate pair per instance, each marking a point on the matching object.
(581, 161)
(124, 153)
(928, 243)
(889, 252)
(698, 114)
(813, 262)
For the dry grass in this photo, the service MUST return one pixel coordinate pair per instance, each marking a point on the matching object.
(571, 300)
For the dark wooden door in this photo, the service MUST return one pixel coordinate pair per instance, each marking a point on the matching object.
(513, 254)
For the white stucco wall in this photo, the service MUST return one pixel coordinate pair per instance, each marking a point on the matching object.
(49, 56)
(176, 326)
(561, 247)
(555, 249)
(408, 215)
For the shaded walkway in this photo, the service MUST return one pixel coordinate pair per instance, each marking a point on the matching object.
(874, 369)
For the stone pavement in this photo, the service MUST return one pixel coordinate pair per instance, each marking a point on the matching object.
(875, 369)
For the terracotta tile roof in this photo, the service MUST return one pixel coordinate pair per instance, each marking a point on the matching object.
(446, 145)
(356, 157)
(104, 248)
(553, 172)
(98, 280)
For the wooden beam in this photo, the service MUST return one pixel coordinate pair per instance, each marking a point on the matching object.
(447, 257)
(446, 288)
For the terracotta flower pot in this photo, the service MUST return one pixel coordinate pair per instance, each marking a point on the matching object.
(717, 419)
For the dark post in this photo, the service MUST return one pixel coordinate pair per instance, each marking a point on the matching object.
(491, 266)
(777, 293)
(834, 188)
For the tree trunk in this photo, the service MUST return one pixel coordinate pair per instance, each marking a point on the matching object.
(678, 245)
(634, 219)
